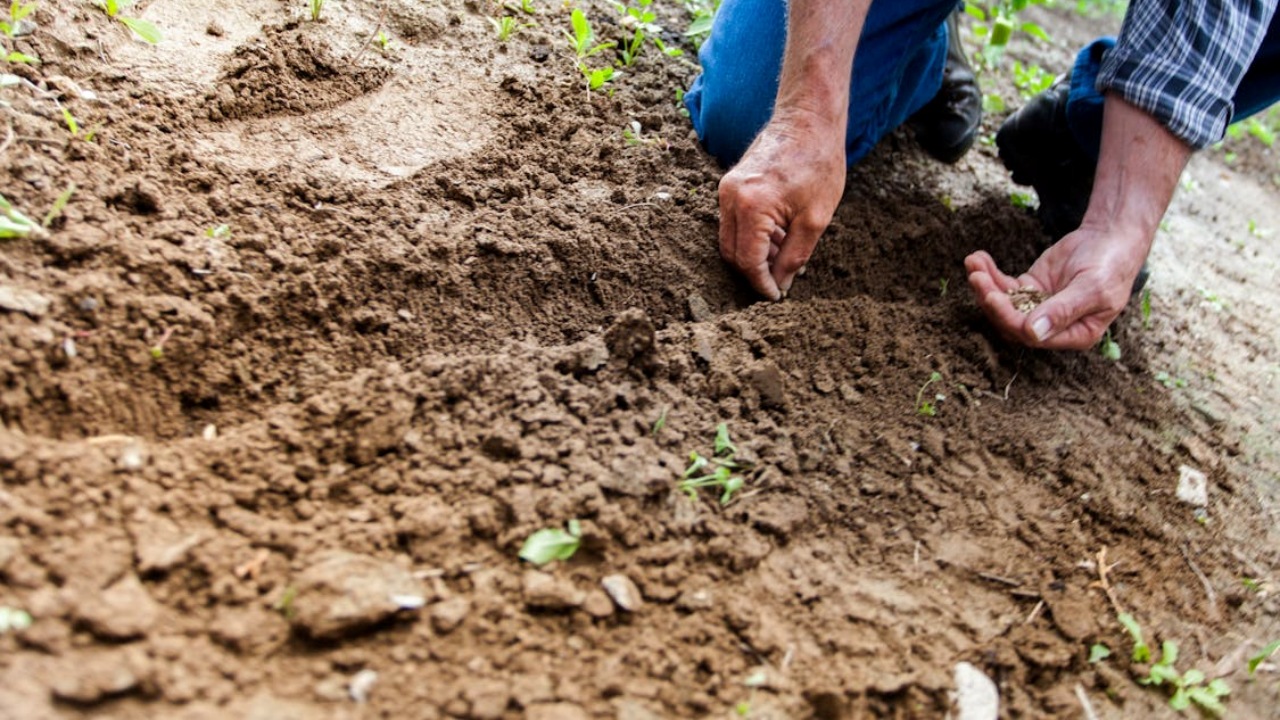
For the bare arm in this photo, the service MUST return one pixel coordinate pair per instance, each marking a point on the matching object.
(1090, 271)
(777, 201)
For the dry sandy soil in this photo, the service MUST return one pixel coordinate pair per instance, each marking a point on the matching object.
(451, 308)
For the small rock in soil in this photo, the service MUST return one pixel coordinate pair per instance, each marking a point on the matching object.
(362, 684)
(547, 592)
(767, 380)
(124, 611)
(631, 335)
(699, 309)
(16, 299)
(343, 592)
(161, 547)
(623, 592)
(1026, 298)
(597, 604)
(447, 615)
(976, 697)
(1193, 486)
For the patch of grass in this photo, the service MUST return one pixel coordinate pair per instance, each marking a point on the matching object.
(1189, 688)
(550, 544)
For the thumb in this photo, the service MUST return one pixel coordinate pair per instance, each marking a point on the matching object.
(1054, 324)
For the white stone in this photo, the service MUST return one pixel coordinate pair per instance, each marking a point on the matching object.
(976, 697)
(1193, 486)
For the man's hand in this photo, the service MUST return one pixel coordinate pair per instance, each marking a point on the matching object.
(776, 202)
(1087, 275)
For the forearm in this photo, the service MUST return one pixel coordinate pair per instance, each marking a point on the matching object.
(822, 36)
(1138, 170)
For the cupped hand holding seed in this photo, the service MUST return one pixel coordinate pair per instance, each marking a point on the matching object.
(776, 202)
(1084, 279)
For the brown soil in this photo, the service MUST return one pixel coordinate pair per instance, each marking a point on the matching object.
(451, 308)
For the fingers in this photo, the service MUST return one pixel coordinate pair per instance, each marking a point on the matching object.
(795, 252)
(746, 239)
(1073, 319)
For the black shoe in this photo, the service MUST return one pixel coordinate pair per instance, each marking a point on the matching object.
(947, 126)
(1039, 150)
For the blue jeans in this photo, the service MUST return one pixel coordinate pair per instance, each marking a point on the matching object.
(897, 70)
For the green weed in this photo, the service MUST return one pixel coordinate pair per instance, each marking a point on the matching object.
(316, 7)
(59, 204)
(942, 286)
(13, 224)
(550, 544)
(1109, 348)
(17, 11)
(1261, 657)
(583, 38)
(145, 30)
(1189, 688)
(994, 24)
(718, 471)
(506, 26)
(929, 408)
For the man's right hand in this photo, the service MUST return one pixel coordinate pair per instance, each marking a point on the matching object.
(776, 202)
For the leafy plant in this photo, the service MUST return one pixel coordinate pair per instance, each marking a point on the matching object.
(1109, 348)
(1141, 651)
(596, 78)
(13, 223)
(929, 408)
(1030, 80)
(17, 11)
(145, 30)
(701, 15)
(995, 24)
(1098, 652)
(1188, 687)
(718, 471)
(506, 26)
(550, 544)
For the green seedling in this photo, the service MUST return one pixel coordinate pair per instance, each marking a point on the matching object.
(1262, 132)
(995, 24)
(1109, 348)
(1141, 651)
(550, 544)
(1145, 305)
(942, 286)
(701, 15)
(1170, 381)
(145, 30)
(630, 51)
(506, 26)
(1098, 652)
(1188, 687)
(157, 350)
(1254, 230)
(59, 204)
(218, 231)
(317, 7)
(1022, 200)
(929, 408)
(660, 423)
(384, 43)
(596, 78)
(13, 224)
(526, 6)
(17, 11)
(718, 471)
(13, 619)
(284, 605)
(1261, 657)
(992, 103)
(1030, 80)
(583, 38)
(17, 57)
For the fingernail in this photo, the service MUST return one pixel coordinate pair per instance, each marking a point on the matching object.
(1041, 327)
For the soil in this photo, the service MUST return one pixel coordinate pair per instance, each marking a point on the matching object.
(285, 469)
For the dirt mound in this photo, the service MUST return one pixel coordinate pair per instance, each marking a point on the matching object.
(317, 352)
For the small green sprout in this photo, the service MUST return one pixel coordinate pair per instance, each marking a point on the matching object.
(1146, 308)
(929, 408)
(596, 78)
(145, 30)
(157, 350)
(1141, 651)
(1261, 657)
(1109, 348)
(218, 231)
(13, 224)
(583, 38)
(17, 11)
(550, 544)
(630, 50)
(716, 471)
(59, 204)
(506, 26)
(1098, 652)
(13, 619)
(1022, 200)
(284, 605)
(742, 709)
(317, 7)
(526, 6)
(942, 286)
(1170, 381)
(384, 43)
(660, 423)
(1031, 80)
(1188, 687)
(992, 103)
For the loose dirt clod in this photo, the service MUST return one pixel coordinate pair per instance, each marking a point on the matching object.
(1026, 298)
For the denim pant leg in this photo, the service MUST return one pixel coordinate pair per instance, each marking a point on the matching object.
(1259, 88)
(897, 70)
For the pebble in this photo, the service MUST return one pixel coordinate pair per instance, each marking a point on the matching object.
(547, 592)
(447, 615)
(124, 611)
(1193, 486)
(699, 309)
(597, 604)
(362, 684)
(976, 697)
(343, 592)
(623, 592)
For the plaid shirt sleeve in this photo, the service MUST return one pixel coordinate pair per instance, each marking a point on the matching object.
(1182, 61)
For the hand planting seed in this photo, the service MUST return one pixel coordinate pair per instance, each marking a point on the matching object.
(1026, 298)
